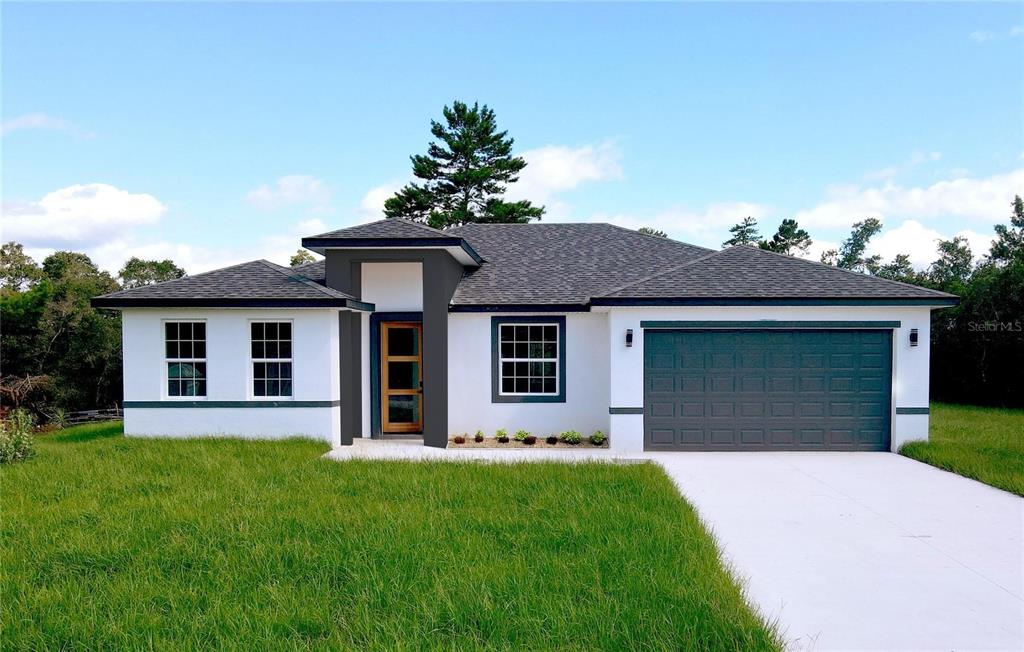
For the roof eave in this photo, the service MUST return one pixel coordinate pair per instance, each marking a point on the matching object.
(472, 258)
(120, 303)
(936, 302)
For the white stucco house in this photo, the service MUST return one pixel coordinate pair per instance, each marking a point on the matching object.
(407, 331)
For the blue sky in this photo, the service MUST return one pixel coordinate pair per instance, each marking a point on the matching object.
(215, 133)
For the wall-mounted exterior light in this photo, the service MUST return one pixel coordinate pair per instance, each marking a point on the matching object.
(913, 337)
(629, 337)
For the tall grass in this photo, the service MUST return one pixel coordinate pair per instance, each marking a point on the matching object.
(115, 543)
(983, 443)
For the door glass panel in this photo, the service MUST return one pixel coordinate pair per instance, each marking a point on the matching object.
(404, 408)
(403, 375)
(403, 341)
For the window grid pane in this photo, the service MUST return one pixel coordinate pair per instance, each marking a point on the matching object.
(185, 350)
(528, 356)
(271, 344)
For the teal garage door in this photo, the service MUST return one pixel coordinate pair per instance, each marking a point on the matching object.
(753, 390)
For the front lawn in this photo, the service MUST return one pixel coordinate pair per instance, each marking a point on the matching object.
(115, 543)
(986, 444)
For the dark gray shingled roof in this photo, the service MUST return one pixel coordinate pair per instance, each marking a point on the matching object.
(552, 264)
(395, 228)
(258, 283)
(745, 272)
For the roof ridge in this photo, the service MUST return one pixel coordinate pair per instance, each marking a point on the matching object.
(850, 271)
(182, 278)
(648, 235)
(413, 223)
(285, 271)
(668, 270)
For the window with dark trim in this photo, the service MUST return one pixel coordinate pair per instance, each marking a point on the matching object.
(185, 350)
(528, 359)
(271, 343)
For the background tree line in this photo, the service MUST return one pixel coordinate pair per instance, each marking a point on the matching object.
(57, 351)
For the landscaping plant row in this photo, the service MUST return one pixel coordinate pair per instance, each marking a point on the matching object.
(570, 437)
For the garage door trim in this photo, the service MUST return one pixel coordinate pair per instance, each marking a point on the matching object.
(761, 325)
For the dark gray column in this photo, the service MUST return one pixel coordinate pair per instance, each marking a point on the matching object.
(344, 274)
(441, 273)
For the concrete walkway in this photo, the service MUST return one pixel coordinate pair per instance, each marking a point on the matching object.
(849, 551)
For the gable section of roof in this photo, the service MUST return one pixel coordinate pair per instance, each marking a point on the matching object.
(749, 273)
(551, 264)
(395, 227)
(258, 283)
(394, 233)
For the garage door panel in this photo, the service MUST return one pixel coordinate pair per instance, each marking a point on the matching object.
(768, 390)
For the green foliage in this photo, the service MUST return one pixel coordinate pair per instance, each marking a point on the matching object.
(658, 233)
(58, 417)
(17, 269)
(571, 437)
(900, 269)
(137, 272)
(1009, 243)
(464, 174)
(301, 257)
(479, 436)
(17, 443)
(744, 233)
(521, 435)
(977, 442)
(115, 543)
(789, 239)
(598, 438)
(851, 253)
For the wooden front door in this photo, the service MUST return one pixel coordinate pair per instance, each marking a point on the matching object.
(401, 377)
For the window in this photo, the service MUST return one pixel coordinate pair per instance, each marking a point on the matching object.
(529, 359)
(271, 358)
(185, 343)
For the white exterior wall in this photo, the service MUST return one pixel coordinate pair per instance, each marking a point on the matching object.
(228, 366)
(910, 364)
(469, 380)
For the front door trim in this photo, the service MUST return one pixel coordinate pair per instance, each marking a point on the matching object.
(375, 391)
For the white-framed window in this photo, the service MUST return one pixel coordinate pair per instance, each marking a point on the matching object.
(271, 350)
(528, 359)
(185, 355)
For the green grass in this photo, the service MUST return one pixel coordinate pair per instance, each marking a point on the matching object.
(119, 543)
(986, 444)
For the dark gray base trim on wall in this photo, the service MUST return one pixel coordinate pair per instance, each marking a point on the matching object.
(231, 404)
(767, 323)
(625, 410)
(913, 410)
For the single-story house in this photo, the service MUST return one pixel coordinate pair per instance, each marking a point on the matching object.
(404, 330)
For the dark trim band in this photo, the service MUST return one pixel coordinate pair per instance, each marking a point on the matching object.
(231, 404)
(398, 243)
(913, 410)
(199, 302)
(838, 301)
(769, 324)
(520, 307)
(625, 410)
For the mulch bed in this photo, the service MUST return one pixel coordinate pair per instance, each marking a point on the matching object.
(491, 442)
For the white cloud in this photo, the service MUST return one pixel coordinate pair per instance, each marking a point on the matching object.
(916, 159)
(371, 207)
(708, 227)
(289, 191)
(41, 121)
(984, 199)
(920, 243)
(981, 36)
(556, 168)
(79, 214)
(1016, 31)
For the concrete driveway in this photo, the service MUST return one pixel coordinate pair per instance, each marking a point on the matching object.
(865, 550)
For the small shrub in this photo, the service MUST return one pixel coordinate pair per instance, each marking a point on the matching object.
(460, 439)
(521, 435)
(58, 418)
(571, 437)
(552, 440)
(502, 436)
(529, 440)
(598, 438)
(479, 436)
(17, 443)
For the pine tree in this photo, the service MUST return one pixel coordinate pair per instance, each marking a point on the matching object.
(743, 233)
(789, 239)
(464, 174)
(1009, 243)
(851, 253)
(647, 230)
